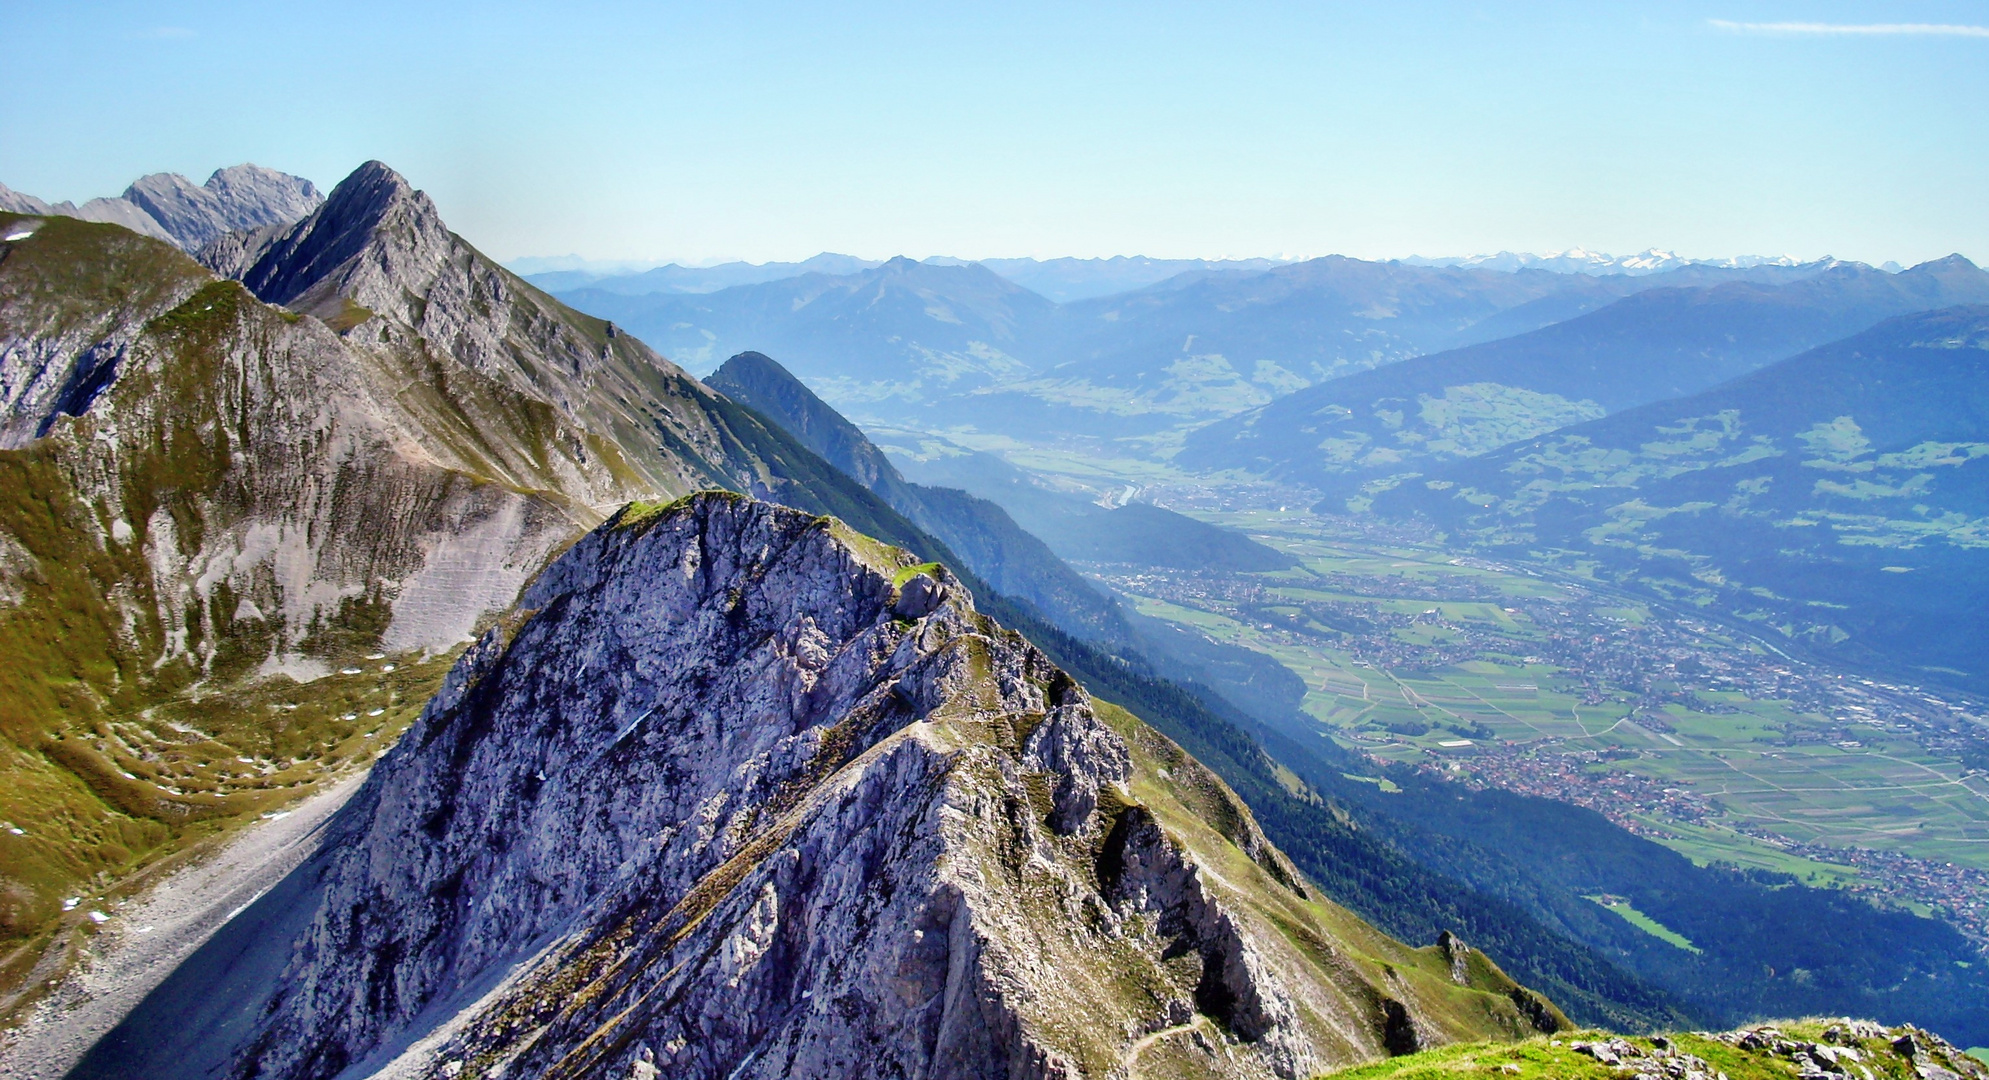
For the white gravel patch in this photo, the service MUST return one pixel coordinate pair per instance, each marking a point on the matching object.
(139, 943)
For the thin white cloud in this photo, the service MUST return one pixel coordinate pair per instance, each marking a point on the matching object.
(1917, 29)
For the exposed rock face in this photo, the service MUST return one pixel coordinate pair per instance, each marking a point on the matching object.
(238, 197)
(249, 476)
(197, 487)
(169, 207)
(421, 447)
(67, 316)
(744, 794)
(377, 263)
(1852, 1048)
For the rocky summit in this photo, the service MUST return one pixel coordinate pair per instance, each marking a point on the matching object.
(738, 792)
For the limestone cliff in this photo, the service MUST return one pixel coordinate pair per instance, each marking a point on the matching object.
(741, 793)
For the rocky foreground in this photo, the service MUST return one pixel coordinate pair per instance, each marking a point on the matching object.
(740, 793)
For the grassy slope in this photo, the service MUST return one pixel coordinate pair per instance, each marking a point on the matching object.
(115, 762)
(1194, 804)
(1555, 1057)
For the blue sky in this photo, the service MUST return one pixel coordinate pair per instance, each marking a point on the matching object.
(775, 131)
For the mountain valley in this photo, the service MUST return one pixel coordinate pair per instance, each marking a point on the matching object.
(1172, 682)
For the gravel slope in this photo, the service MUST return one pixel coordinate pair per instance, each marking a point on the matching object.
(145, 940)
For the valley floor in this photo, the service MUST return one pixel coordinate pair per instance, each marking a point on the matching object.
(1679, 729)
(1705, 737)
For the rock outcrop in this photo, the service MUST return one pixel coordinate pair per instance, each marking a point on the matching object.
(605, 419)
(741, 793)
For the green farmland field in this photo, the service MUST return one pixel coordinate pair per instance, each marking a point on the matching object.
(1763, 763)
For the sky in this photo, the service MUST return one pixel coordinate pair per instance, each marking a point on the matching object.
(700, 132)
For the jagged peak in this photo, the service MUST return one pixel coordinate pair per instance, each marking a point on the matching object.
(335, 233)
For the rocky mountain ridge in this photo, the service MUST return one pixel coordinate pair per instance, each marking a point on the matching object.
(169, 207)
(741, 793)
(204, 489)
(980, 532)
(1374, 428)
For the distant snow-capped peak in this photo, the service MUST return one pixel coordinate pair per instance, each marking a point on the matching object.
(1583, 261)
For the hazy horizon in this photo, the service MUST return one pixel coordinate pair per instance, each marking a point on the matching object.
(543, 263)
(770, 132)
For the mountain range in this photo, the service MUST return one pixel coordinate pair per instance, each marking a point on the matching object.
(924, 343)
(1371, 429)
(169, 207)
(835, 771)
(1059, 280)
(1838, 495)
(673, 278)
(1582, 261)
(1066, 279)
